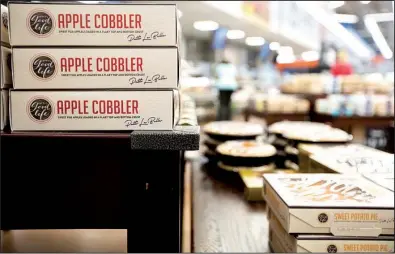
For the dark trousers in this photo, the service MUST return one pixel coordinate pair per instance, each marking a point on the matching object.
(225, 111)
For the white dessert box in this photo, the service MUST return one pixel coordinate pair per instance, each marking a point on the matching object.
(95, 68)
(282, 242)
(77, 24)
(6, 76)
(358, 163)
(343, 205)
(4, 25)
(93, 110)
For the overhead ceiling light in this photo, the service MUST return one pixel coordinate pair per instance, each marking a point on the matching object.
(235, 34)
(330, 23)
(346, 18)
(255, 41)
(285, 55)
(378, 37)
(335, 4)
(310, 56)
(365, 2)
(207, 25)
(285, 50)
(179, 13)
(91, 2)
(381, 17)
(284, 59)
(274, 46)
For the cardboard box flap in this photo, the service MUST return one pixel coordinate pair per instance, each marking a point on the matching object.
(288, 241)
(6, 69)
(176, 106)
(4, 25)
(4, 108)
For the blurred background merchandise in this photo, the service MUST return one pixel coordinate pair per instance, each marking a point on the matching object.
(294, 60)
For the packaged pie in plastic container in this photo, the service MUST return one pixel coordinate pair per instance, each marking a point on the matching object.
(246, 153)
(232, 130)
(279, 128)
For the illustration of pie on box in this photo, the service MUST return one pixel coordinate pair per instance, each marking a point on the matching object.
(330, 203)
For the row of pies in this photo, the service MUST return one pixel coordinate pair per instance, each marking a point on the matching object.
(232, 146)
(285, 136)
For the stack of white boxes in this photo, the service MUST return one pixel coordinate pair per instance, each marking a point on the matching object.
(5, 68)
(328, 213)
(94, 67)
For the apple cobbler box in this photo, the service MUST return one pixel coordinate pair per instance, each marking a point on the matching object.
(346, 205)
(93, 110)
(6, 76)
(361, 163)
(283, 242)
(76, 24)
(3, 109)
(95, 68)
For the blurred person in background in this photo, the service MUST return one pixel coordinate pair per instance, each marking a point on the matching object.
(341, 67)
(226, 83)
(268, 75)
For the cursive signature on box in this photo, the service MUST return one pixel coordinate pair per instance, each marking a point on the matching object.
(141, 122)
(146, 37)
(147, 80)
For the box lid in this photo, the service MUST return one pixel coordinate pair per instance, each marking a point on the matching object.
(329, 191)
(385, 180)
(359, 162)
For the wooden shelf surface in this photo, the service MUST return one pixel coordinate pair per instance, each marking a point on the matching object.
(223, 221)
(65, 241)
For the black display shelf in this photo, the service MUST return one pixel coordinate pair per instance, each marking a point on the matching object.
(47, 134)
(181, 138)
(65, 180)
